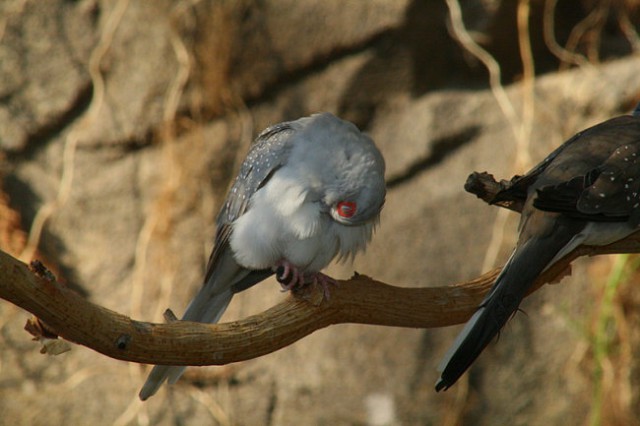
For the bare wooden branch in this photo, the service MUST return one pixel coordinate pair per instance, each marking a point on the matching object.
(486, 187)
(358, 300)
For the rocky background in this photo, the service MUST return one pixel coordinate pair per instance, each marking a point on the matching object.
(123, 121)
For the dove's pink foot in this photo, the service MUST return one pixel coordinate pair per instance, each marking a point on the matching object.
(325, 281)
(288, 275)
(291, 277)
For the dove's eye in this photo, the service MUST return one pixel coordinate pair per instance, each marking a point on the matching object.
(346, 209)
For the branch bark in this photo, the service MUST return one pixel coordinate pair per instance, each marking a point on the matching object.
(358, 300)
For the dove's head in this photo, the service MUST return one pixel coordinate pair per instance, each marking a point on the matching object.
(357, 194)
(345, 168)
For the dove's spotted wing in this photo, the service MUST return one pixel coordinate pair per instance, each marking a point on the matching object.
(608, 190)
(224, 275)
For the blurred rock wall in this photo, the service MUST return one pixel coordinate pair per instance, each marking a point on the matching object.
(122, 123)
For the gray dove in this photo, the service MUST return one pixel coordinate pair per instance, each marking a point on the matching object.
(584, 193)
(308, 191)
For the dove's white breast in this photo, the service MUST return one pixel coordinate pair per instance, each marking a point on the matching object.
(284, 221)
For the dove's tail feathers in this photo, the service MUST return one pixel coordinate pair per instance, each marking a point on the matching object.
(201, 309)
(207, 307)
(225, 279)
(527, 262)
(156, 378)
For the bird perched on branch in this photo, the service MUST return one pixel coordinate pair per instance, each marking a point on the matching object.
(308, 191)
(586, 192)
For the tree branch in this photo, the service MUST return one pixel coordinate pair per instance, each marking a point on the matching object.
(61, 311)
(360, 300)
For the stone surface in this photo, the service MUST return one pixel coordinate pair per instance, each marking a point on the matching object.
(44, 49)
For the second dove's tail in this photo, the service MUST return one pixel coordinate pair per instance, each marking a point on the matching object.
(526, 263)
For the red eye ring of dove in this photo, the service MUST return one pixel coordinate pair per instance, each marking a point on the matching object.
(346, 209)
